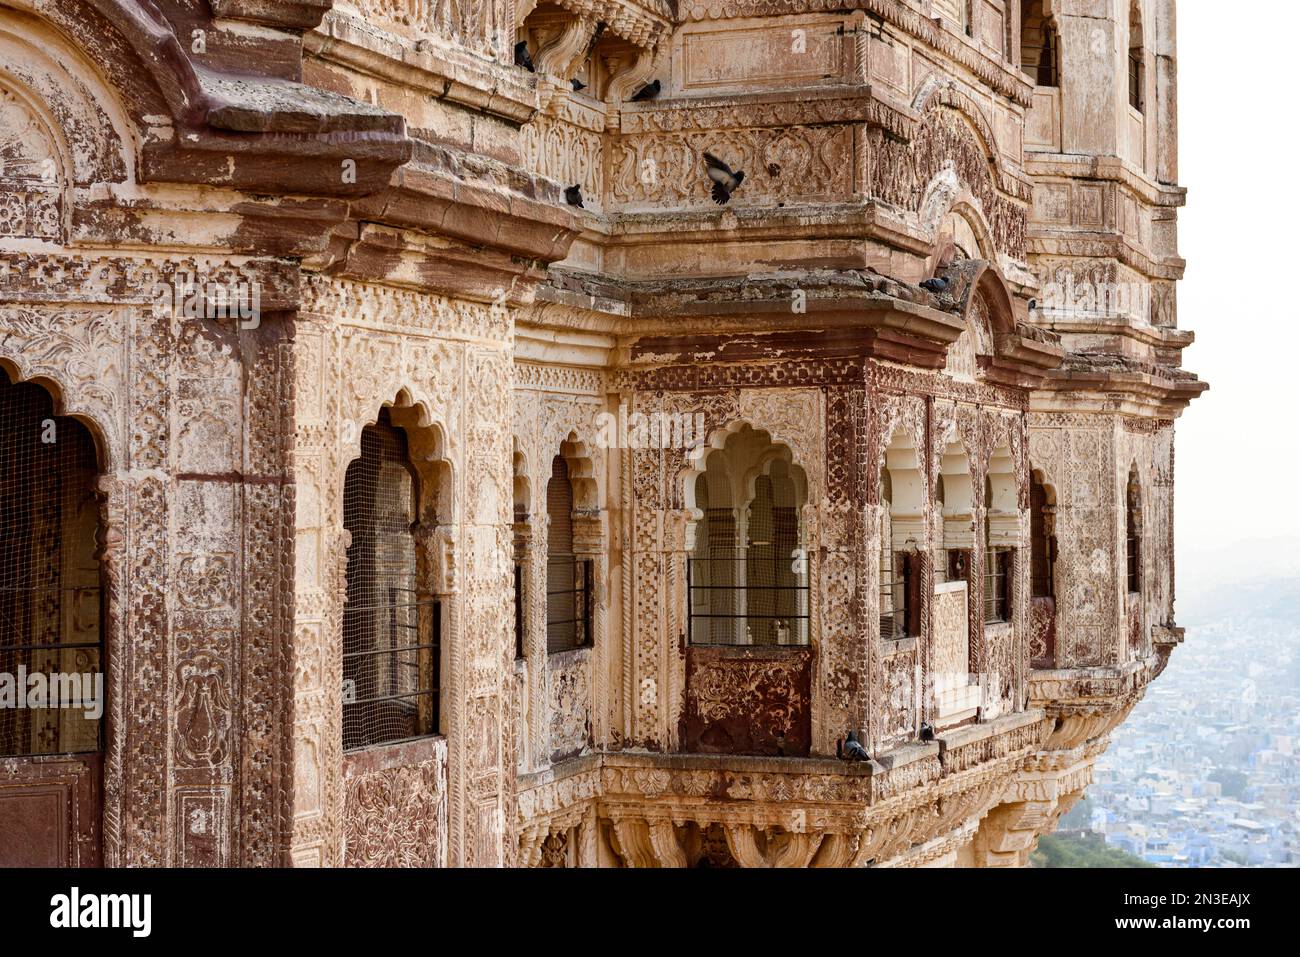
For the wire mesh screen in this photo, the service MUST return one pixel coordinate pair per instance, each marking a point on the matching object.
(51, 636)
(390, 634)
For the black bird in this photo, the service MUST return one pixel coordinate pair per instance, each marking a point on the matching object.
(927, 732)
(647, 92)
(573, 196)
(725, 182)
(938, 284)
(1033, 305)
(522, 58)
(577, 85)
(853, 749)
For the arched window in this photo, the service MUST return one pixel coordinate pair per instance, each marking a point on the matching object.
(956, 501)
(1001, 533)
(748, 576)
(901, 533)
(390, 627)
(1133, 531)
(1042, 539)
(522, 507)
(568, 577)
(51, 611)
(1136, 59)
(997, 568)
(1040, 45)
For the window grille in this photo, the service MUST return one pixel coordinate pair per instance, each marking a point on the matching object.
(568, 576)
(1133, 534)
(1048, 73)
(997, 585)
(1135, 79)
(898, 599)
(519, 610)
(1136, 72)
(390, 629)
(51, 613)
(1042, 545)
(756, 594)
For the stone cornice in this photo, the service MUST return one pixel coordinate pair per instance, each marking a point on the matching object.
(437, 69)
(832, 104)
(999, 75)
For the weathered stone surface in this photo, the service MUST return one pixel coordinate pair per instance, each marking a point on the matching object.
(383, 192)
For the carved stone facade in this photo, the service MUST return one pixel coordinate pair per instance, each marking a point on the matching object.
(231, 237)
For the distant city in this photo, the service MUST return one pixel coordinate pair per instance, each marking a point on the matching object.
(1206, 771)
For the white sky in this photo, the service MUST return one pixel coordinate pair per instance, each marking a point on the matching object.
(1236, 446)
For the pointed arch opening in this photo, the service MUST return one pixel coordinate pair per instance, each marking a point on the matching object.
(1133, 531)
(395, 493)
(747, 569)
(51, 589)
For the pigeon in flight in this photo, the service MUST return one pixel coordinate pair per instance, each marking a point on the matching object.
(647, 92)
(938, 284)
(927, 732)
(522, 58)
(573, 196)
(853, 749)
(725, 182)
(577, 85)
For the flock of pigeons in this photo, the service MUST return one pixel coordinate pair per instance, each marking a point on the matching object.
(724, 179)
(850, 747)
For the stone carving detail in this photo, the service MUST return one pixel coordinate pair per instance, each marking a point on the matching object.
(902, 173)
(31, 174)
(396, 817)
(810, 162)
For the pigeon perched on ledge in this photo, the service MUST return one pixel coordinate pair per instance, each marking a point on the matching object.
(522, 57)
(647, 92)
(725, 182)
(578, 85)
(853, 749)
(935, 285)
(927, 732)
(573, 196)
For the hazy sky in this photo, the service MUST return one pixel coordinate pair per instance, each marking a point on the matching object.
(1236, 446)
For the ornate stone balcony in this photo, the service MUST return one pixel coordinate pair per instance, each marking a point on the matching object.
(915, 804)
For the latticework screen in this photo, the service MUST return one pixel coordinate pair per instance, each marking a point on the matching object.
(51, 635)
(390, 633)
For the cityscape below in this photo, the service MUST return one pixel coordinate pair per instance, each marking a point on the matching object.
(1206, 770)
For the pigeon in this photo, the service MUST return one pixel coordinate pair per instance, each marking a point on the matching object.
(853, 749)
(522, 58)
(725, 182)
(937, 284)
(647, 92)
(927, 732)
(573, 196)
(577, 85)
(1033, 305)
